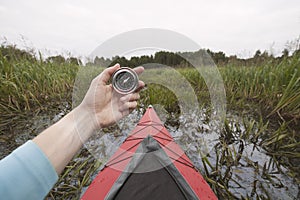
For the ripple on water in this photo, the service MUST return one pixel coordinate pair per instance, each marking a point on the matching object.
(254, 174)
(198, 138)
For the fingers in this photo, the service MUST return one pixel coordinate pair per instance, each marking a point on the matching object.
(130, 97)
(129, 102)
(140, 87)
(108, 72)
(128, 106)
(139, 69)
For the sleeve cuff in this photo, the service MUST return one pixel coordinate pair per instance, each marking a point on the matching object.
(26, 173)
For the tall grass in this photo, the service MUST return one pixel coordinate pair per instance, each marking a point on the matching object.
(26, 85)
(273, 88)
(271, 92)
(29, 86)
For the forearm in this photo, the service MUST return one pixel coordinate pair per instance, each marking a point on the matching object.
(61, 141)
(99, 108)
(33, 164)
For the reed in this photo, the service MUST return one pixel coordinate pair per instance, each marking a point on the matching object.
(273, 88)
(266, 98)
(28, 84)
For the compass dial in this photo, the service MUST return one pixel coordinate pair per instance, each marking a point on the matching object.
(125, 81)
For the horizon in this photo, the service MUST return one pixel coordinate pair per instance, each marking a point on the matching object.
(87, 58)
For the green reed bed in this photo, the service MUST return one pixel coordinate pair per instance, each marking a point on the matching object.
(76, 176)
(272, 92)
(269, 94)
(26, 84)
(274, 88)
(239, 168)
(29, 87)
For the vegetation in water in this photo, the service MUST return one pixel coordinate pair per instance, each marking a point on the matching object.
(263, 91)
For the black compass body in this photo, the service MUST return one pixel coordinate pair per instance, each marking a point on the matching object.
(125, 80)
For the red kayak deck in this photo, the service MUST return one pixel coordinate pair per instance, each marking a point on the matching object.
(149, 126)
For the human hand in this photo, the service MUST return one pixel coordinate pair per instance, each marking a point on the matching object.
(104, 106)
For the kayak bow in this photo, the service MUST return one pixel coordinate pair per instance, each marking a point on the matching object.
(149, 165)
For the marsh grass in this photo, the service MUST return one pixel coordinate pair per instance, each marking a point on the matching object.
(225, 167)
(27, 85)
(31, 86)
(76, 176)
(273, 88)
(270, 93)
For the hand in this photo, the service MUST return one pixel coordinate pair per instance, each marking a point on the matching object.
(103, 105)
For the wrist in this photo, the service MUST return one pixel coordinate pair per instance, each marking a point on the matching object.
(84, 121)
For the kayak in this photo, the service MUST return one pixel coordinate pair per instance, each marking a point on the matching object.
(149, 165)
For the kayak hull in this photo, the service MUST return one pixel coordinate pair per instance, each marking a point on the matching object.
(149, 143)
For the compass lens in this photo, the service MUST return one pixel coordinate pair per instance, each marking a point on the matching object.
(125, 81)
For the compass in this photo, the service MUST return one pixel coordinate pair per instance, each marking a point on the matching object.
(125, 80)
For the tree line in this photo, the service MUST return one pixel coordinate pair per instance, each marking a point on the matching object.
(179, 59)
(12, 53)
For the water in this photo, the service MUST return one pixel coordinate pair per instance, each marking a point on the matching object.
(248, 172)
(245, 168)
(25, 129)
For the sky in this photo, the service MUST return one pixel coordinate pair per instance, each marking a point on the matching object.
(77, 27)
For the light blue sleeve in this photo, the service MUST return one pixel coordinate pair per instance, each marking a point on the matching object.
(26, 174)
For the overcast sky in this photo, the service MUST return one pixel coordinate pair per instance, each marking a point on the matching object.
(233, 26)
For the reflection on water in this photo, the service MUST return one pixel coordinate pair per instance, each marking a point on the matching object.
(24, 128)
(243, 166)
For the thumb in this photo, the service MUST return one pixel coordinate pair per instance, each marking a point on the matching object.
(108, 72)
